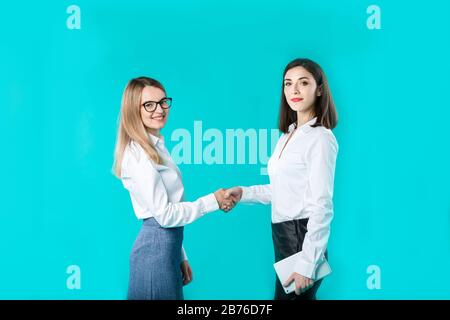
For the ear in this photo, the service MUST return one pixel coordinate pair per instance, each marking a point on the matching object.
(319, 90)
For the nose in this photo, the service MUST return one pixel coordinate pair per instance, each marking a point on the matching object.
(158, 109)
(295, 89)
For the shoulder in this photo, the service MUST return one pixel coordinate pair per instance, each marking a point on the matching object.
(133, 152)
(321, 136)
(134, 156)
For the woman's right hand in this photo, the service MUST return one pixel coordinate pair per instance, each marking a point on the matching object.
(235, 193)
(226, 203)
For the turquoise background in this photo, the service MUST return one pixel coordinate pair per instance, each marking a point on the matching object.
(222, 62)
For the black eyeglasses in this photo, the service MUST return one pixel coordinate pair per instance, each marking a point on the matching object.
(150, 106)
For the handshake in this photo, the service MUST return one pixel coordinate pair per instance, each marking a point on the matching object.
(228, 198)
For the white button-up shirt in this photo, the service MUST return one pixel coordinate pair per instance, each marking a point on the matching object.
(301, 186)
(157, 190)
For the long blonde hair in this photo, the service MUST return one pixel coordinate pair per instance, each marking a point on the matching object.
(131, 127)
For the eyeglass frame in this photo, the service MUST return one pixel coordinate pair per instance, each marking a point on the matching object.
(156, 104)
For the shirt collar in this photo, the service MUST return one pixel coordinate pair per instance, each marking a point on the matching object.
(306, 127)
(156, 140)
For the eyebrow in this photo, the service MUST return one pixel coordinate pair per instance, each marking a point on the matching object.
(298, 78)
(154, 101)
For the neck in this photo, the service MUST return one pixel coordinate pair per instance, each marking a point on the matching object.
(154, 132)
(304, 117)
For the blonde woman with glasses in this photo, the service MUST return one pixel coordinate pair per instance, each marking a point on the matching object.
(158, 262)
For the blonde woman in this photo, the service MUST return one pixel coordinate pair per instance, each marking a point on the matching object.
(158, 263)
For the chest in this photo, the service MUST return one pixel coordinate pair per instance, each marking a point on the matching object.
(168, 170)
(290, 156)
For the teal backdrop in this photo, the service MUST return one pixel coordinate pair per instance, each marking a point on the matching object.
(67, 225)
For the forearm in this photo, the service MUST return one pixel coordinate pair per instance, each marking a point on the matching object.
(257, 194)
(182, 213)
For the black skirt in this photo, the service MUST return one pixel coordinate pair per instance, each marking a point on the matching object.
(288, 237)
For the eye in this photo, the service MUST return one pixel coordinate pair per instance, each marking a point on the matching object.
(304, 83)
(149, 105)
(287, 84)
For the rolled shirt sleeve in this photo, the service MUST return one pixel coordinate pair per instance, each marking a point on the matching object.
(183, 254)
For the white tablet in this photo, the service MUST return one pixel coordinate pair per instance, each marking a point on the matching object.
(285, 267)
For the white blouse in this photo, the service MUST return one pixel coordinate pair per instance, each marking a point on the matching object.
(157, 190)
(301, 186)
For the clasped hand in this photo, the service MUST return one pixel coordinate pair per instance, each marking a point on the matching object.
(228, 198)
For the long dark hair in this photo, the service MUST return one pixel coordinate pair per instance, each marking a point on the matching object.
(324, 108)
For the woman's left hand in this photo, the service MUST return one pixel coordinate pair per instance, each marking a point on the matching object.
(301, 283)
(186, 271)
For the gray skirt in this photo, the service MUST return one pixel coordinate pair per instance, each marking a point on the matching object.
(155, 263)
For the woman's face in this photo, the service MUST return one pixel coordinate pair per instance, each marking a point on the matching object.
(153, 120)
(300, 89)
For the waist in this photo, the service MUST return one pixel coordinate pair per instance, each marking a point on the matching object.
(151, 222)
(152, 232)
(303, 221)
(291, 215)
